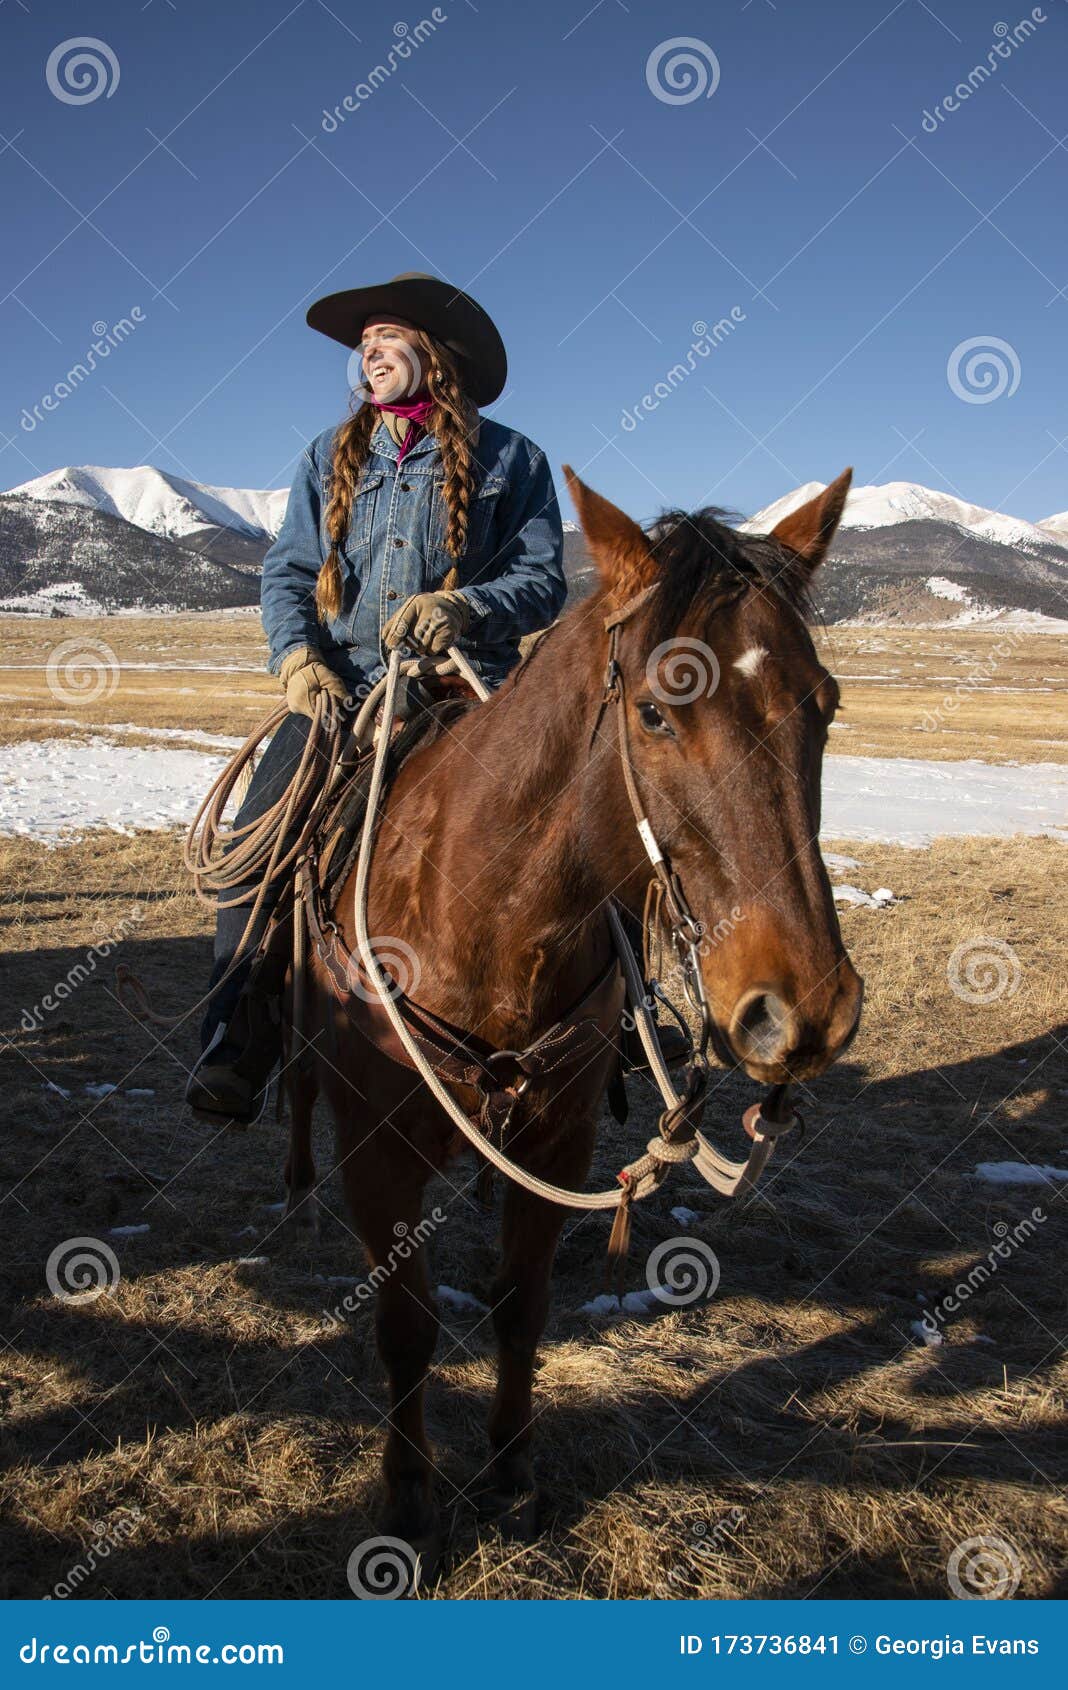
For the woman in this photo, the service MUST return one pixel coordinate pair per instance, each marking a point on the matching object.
(415, 521)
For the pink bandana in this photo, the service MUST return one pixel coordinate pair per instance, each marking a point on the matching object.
(416, 411)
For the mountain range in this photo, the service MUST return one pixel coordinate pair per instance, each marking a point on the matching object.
(87, 540)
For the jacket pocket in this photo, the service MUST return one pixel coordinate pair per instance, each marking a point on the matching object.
(481, 531)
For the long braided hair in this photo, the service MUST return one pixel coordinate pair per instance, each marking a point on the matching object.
(452, 421)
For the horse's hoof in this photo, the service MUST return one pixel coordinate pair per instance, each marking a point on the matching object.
(301, 1218)
(411, 1538)
(514, 1513)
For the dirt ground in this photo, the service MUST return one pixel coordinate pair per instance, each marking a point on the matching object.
(206, 1427)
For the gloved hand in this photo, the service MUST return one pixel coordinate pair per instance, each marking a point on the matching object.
(429, 622)
(304, 675)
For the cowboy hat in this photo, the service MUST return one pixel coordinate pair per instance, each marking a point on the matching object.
(452, 317)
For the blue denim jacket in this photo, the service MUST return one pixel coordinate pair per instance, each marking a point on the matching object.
(511, 573)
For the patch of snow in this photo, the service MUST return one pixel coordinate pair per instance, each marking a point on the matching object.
(853, 895)
(102, 1089)
(50, 787)
(61, 1091)
(686, 1217)
(139, 1092)
(1019, 1173)
(68, 596)
(835, 861)
(943, 589)
(128, 1231)
(253, 1261)
(459, 1299)
(926, 1333)
(912, 800)
(634, 1302)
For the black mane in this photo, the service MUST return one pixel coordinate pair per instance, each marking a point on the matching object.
(702, 556)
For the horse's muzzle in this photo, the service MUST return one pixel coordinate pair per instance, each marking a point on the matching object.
(776, 1039)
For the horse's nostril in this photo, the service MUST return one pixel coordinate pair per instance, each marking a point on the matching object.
(762, 1027)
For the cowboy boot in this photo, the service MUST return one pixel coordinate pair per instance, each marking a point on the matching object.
(229, 1083)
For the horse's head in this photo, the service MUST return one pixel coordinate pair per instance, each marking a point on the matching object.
(727, 713)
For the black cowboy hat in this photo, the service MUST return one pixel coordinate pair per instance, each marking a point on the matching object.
(452, 317)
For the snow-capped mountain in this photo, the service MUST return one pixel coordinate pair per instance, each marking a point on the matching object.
(85, 539)
(64, 559)
(904, 552)
(1057, 526)
(906, 501)
(162, 503)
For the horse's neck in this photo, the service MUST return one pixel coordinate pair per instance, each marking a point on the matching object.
(483, 863)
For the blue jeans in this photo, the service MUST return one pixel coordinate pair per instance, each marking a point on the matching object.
(273, 774)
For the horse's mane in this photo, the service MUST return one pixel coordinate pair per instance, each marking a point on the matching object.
(703, 558)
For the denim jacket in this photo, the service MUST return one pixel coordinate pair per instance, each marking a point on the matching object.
(511, 572)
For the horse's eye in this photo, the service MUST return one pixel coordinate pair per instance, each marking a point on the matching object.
(650, 718)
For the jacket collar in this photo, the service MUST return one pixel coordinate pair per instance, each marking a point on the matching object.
(383, 443)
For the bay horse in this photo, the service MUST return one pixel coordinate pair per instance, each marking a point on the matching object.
(501, 841)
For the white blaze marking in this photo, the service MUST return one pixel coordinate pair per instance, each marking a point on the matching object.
(750, 660)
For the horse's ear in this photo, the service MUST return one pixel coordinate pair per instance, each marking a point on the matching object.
(622, 553)
(809, 530)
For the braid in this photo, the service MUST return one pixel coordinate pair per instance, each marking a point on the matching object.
(351, 443)
(452, 421)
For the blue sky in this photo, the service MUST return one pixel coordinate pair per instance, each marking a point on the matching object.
(527, 153)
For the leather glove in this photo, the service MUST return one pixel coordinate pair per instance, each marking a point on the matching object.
(429, 622)
(304, 675)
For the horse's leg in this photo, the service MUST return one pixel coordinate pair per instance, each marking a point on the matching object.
(385, 1199)
(302, 1208)
(520, 1301)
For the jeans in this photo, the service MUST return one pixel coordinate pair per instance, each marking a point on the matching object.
(273, 774)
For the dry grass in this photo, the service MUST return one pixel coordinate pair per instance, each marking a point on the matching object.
(791, 1437)
(206, 672)
(934, 692)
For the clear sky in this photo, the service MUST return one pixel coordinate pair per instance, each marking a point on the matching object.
(527, 152)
